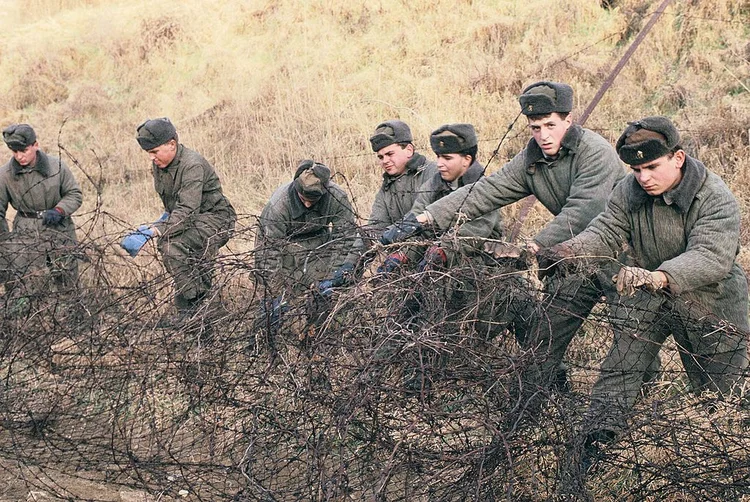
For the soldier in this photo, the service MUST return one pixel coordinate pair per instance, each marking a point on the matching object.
(404, 171)
(198, 218)
(456, 148)
(571, 170)
(683, 225)
(305, 230)
(45, 194)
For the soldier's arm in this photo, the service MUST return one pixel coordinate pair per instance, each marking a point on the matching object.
(598, 169)
(344, 233)
(270, 238)
(188, 199)
(72, 197)
(490, 193)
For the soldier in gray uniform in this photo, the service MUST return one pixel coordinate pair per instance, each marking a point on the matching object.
(404, 171)
(45, 194)
(456, 148)
(198, 218)
(305, 230)
(683, 225)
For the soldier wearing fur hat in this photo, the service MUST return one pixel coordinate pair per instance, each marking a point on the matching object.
(45, 194)
(404, 171)
(456, 147)
(305, 230)
(198, 219)
(683, 225)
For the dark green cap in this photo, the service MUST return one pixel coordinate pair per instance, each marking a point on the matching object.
(453, 138)
(19, 136)
(155, 132)
(388, 133)
(647, 139)
(543, 98)
(311, 179)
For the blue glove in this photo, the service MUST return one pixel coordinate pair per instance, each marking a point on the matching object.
(434, 259)
(392, 262)
(402, 230)
(325, 287)
(340, 278)
(52, 217)
(164, 217)
(134, 241)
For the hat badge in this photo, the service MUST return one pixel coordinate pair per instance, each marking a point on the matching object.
(442, 144)
(639, 154)
(531, 107)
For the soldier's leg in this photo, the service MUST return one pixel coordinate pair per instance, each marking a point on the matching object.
(186, 258)
(640, 328)
(713, 353)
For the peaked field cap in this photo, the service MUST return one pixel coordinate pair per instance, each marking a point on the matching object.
(453, 138)
(155, 132)
(19, 136)
(543, 98)
(647, 139)
(390, 132)
(311, 179)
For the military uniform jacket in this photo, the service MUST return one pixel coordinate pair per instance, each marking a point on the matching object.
(394, 200)
(487, 224)
(288, 231)
(691, 233)
(574, 186)
(47, 185)
(191, 192)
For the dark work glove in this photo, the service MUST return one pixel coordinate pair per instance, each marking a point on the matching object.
(392, 262)
(556, 259)
(340, 278)
(52, 217)
(435, 258)
(402, 230)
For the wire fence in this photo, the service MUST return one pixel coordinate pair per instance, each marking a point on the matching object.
(408, 386)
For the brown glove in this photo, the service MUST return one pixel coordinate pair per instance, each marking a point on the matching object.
(630, 278)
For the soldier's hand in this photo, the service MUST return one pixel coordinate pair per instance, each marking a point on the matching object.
(435, 258)
(409, 226)
(134, 241)
(552, 259)
(630, 278)
(392, 262)
(52, 217)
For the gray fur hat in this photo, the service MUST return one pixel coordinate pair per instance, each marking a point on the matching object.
(543, 98)
(647, 139)
(388, 133)
(19, 136)
(155, 132)
(453, 138)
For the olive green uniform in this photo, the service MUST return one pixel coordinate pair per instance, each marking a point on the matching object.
(201, 221)
(31, 191)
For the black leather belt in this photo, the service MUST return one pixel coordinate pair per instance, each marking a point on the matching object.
(34, 214)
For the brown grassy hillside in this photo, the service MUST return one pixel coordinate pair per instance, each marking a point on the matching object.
(258, 85)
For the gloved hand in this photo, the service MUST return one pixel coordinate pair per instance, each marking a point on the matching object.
(52, 217)
(392, 262)
(402, 230)
(134, 241)
(340, 278)
(435, 258)
(164, 217)
(630, 278)
(553, 259)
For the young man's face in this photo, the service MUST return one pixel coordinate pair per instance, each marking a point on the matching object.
(393, 158)
(549, 131)
(27, 156)
(452, 165)
(162, 155)
(660, 175)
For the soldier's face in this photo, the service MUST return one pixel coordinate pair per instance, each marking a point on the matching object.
(162, 155)
(307, 202)
(452, 165)
(660, 175)
(393, 158)
(27, 156)
(548, 132)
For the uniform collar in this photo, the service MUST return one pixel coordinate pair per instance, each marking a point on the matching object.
(42, 165)
(694, 174)
(568, 145)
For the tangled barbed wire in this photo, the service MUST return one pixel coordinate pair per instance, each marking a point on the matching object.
(401, 387)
